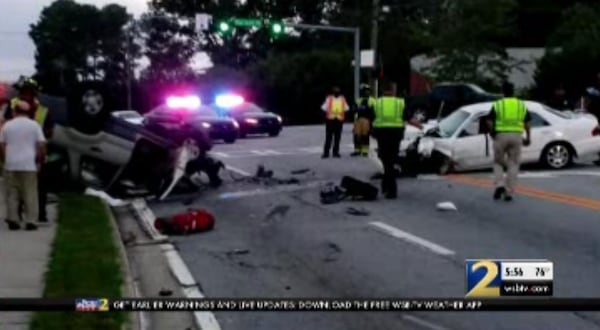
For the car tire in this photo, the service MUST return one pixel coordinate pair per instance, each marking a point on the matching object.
(443, 163)
(230, 140)
(88, 107)
(274, 133)
(558, 155)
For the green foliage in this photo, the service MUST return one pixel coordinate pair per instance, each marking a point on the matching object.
(468, 41)
(84, 263)
(169, 46)
(76, 42)
(573, 53)
(295, 85)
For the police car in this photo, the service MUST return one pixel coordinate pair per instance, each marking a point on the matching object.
(251, 118)
(186, 116)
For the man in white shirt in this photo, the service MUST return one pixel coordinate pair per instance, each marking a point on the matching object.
(22, 146)
(335, 108)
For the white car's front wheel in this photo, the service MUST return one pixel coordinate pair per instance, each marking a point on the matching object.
(557, 155)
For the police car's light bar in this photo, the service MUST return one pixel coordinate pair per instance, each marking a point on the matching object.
(228, 100)
(184, 102)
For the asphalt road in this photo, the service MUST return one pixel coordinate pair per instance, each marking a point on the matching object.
(289, 245)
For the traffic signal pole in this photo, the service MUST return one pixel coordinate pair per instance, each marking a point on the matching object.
(342, 29)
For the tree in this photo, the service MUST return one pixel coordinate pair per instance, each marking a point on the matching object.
(76, 42)
(296, 85)
(573, 52)
(169, 45)
(468, 41)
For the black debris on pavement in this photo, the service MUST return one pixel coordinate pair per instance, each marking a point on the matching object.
(263, 173)
(238, 252)
(165, 292)
(301, 171)
(332, 252)
(361, 212)
(279, 210)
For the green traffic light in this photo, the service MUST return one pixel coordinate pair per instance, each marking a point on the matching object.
(224, 27)
(277, 28)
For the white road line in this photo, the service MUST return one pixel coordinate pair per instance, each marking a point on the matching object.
(220, 154)
(237, 170)
(397, 233)
(266, 152)
(276, 190)
(423, 323)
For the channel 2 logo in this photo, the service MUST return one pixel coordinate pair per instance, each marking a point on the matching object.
(483, 278)
(91, 305)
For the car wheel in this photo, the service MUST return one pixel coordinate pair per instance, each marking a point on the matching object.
(88, 107)
(229, 140)
(274, 133)
(557, 155)
(443, 163)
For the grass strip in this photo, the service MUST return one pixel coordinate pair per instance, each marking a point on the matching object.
(84, 263)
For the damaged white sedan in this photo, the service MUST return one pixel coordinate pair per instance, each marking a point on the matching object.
(459, 142)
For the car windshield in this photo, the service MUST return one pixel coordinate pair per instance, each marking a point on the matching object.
(249, 108)
(449, 125)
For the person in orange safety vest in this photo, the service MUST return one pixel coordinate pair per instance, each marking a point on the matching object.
(335, 108)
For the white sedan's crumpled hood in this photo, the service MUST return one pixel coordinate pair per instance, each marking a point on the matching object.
(427, 144)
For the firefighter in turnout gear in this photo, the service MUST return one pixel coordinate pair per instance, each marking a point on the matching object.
(28, 92)
(363, 117)
(335, 108)
(388, 126)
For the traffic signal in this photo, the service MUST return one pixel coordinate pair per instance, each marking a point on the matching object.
(276, 28)
(225, 28)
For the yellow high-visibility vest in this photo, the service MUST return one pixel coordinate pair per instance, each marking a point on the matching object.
(389, 112)
(41, 113)
(510, 115)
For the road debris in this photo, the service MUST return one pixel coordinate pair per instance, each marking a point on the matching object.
(238, 252)
(279, 210)
(301, 171)
(263, 173)
(446, 206)
(361, 212)
(165, 292)
(359, 190)
(333, 251)
(193, 221)
(105, 197)
(331, 194)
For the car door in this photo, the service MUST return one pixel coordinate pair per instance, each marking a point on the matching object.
(473, 148)
(541, 134)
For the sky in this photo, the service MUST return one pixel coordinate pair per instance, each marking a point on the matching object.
(17, 49)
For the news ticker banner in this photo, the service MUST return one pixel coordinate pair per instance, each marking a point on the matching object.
(300, 304)
(509, 278)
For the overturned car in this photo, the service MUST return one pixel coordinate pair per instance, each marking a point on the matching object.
(119, 155)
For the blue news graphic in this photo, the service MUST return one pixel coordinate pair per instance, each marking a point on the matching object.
(483, 278)
(91, 305)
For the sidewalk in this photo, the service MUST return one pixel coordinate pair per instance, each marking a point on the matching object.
(23, 259)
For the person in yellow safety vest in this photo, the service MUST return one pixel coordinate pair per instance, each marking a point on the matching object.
(388, 129)
(28, 92)
(363, 117)
(335, 108)
(507, 121)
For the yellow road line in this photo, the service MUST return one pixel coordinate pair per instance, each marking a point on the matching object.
(552, 196)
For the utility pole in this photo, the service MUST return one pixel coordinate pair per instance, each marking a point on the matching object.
(374, 41)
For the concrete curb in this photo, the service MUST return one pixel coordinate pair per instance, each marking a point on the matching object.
(178, 268)
(128, 287)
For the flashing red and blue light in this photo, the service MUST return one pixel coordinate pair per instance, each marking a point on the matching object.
(228, 101)
(184, 102)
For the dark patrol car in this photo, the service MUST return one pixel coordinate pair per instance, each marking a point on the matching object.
(251, 118)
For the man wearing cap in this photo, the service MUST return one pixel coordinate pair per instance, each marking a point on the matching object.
(28, 91)
(22, 147)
